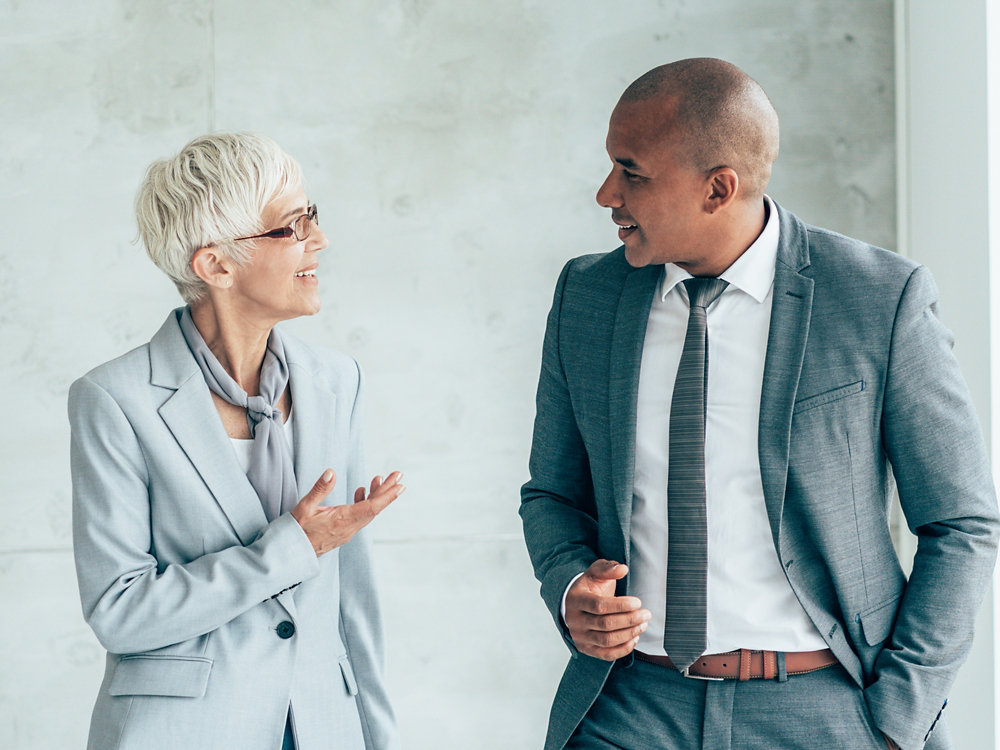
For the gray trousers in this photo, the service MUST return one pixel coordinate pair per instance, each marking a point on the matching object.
(645, 706)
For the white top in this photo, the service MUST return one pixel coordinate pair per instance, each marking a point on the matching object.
(750, 602)
(243, 447)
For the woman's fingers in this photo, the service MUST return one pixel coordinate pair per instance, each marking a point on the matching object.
(378, 484)
(386, 494)
(379, 499)
(308, 504)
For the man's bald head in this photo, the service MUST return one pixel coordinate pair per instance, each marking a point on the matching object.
(717, 115)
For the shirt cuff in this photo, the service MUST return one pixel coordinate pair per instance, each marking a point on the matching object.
(562, 606)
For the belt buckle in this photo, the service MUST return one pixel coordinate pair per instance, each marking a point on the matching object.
(686, 672)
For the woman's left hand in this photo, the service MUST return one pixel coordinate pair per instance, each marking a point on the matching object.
(329, 527)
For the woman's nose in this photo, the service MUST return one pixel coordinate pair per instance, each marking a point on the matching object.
(317, 240)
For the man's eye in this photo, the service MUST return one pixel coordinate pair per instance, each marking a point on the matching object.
(632, 176)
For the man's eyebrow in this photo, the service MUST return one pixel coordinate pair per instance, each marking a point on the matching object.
(627, 163)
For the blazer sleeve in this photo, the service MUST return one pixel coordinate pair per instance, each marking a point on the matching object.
(361, 626)
(130, 602)
(557, 510)
(932, 438)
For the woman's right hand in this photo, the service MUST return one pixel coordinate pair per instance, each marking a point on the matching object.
(328, 527)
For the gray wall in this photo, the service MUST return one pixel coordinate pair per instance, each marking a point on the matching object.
(454, 149)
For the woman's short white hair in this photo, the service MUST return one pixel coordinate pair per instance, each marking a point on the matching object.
(213, 191)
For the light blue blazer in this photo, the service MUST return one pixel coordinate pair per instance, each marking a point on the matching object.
(188, 586)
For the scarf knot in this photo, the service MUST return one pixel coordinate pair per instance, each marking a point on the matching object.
(258, 410)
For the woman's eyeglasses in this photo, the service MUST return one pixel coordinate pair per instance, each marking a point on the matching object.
(299, 229)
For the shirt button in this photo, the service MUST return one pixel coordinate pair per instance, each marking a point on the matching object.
(286, 629)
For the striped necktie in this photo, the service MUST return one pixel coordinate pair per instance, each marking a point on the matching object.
(685, 633)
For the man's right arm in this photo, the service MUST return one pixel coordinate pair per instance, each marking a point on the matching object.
(559, 512)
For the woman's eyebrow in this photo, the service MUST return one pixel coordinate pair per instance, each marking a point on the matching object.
(293, 212)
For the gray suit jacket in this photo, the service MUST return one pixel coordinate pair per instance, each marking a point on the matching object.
(859, 385)
(187, 585)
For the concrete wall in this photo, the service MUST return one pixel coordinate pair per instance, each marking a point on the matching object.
(454, 149)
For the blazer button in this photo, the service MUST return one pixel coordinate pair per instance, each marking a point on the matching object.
(286, 629)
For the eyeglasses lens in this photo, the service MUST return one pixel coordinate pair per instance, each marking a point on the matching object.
(304, 224)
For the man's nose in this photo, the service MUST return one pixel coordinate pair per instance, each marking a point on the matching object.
(608, 195)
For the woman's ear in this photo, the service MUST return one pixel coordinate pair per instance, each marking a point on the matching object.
(212, 267)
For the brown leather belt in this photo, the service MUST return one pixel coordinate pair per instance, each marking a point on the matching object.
(745, 664)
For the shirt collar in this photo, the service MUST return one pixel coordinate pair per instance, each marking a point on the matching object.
(753, 271)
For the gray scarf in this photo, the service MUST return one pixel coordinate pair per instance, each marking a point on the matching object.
(271, 472)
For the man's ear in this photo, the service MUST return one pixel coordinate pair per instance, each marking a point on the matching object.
(212, 267)
(723, 184)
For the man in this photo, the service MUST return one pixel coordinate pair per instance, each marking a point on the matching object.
(712, 540)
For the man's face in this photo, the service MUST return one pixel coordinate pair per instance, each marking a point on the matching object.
(655, 197)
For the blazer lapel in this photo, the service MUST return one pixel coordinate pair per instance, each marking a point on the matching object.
(786, 344)
(314, 406)
(190, 415)
(625, 358)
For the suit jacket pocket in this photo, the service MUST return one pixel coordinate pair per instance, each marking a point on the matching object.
(349, 681)
(877, 621)
(811, 402)
(177, 676)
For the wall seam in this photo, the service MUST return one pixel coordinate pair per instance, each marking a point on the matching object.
(211, 66)
(902, 104)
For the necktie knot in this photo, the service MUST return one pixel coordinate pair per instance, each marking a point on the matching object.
(703, 291)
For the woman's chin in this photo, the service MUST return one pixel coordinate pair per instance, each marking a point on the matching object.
(314, 304)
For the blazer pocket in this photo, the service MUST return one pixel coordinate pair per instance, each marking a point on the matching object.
(349, 681)
(811, 402)
(876, 622)
(176, 676)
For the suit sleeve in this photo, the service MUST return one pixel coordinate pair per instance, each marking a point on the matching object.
(932, 438)
(558, 512)
(130, 602)
(361, 626)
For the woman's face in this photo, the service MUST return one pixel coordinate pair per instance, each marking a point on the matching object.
(281, 280)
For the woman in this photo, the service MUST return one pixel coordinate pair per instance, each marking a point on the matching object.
(235, 615)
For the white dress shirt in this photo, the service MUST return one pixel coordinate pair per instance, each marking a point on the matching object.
(750, 602)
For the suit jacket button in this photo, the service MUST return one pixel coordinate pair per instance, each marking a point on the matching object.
(286, 629)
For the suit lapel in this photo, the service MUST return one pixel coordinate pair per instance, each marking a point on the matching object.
(190, 415)
(623, 382)
(786, 344)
